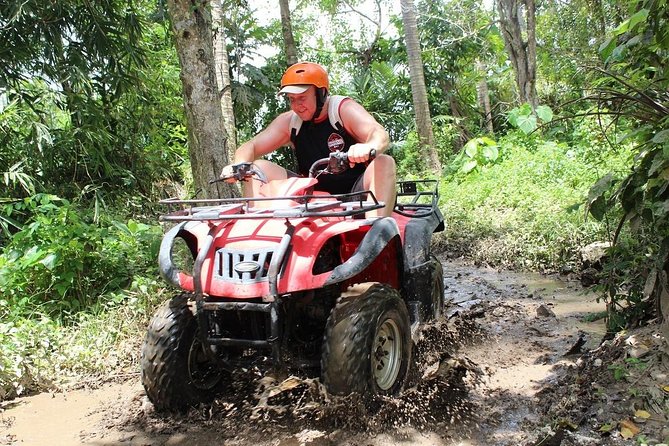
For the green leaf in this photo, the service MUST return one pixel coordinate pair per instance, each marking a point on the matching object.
(469, 166)
(606, 48)
(656, 164)
(490, 153)
(513, 117)
(31, 257)
(597, 205)
(49, 261)
(122, 227)
(607, 427)
(618, 53)
(527, 123)
(61, 288)
(631, 22)
(525, 109)
(664, 175)
(601, 187)
(488, 141)
(661, 137)
(545, 113)
(598, 208)
(637, 18)
(518, 114)
(471, 148)
(622, 28)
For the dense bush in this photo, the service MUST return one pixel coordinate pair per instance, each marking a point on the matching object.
(59, 263)
(69, 292)
(523, 209)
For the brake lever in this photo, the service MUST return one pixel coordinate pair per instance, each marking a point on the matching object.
(259, 174)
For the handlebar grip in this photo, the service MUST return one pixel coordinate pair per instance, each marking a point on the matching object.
(240, 172)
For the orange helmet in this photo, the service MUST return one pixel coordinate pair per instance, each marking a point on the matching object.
(300, 76)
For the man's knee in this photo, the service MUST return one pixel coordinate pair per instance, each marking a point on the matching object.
(384, 164)
(271, 170)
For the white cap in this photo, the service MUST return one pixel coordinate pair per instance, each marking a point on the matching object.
(295, 89)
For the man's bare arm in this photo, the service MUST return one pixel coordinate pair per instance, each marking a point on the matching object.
(365, 129)
(275, 135)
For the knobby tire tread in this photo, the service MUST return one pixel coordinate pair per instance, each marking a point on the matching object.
(438, 279)
(164, 357)
(349, 335)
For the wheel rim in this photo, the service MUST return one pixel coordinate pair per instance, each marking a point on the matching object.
(203, 371)
(387, 354)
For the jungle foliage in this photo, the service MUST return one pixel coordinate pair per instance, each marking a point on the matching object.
(633, 93)
(92, 134)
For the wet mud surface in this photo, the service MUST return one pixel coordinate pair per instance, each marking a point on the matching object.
(495, 370)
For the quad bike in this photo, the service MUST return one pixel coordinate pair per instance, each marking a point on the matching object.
(298, 279)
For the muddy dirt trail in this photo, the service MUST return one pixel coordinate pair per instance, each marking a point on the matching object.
(481, 371)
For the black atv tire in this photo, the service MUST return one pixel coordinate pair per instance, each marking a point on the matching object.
(437, 309)
(176, 372)
(367, 342)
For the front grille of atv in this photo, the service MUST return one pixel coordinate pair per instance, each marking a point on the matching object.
(226, 259)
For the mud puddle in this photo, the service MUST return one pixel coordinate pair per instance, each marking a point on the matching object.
(479, 371)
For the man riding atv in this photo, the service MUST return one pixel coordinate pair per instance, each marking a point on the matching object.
(316, 125)
(324, 273)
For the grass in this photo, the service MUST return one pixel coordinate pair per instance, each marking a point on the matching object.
(42, 353)
(525, 211)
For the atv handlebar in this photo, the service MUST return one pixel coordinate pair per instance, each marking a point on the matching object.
(335, 164)
(242, 172)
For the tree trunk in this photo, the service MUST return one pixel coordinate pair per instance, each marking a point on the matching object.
(223, 76)
(522, 53)
(531, 86)
(484, 98)
(418, 90)
(287, 30)
(191, 26)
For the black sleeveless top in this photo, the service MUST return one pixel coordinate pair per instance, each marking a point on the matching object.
(315, 141)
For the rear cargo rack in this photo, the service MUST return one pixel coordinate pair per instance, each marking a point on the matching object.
(339, 205)
(417, 198)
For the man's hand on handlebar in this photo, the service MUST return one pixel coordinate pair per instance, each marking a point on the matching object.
(240, 172)
(337, 162)
(361, 152)
(228, 174)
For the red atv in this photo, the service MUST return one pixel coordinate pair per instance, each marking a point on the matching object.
(299, 279)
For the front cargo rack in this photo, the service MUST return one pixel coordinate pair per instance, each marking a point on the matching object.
(297, 206)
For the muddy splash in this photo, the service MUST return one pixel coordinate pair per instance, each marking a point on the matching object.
(476, 376)
(436, 394)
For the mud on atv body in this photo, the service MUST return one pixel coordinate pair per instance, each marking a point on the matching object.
(297, 279)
